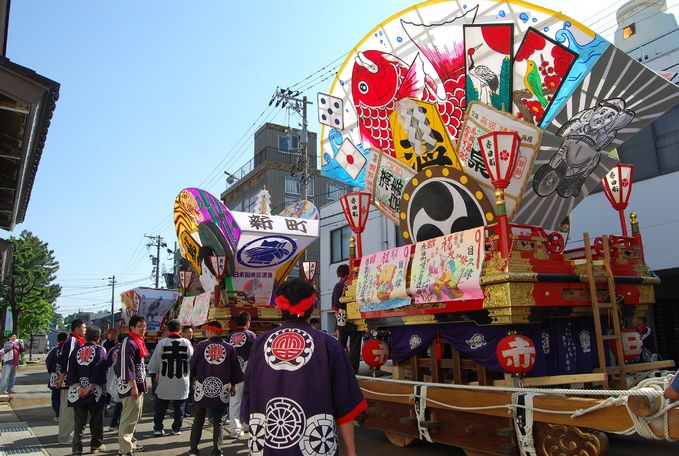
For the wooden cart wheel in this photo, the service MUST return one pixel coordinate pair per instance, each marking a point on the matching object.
(399, 440)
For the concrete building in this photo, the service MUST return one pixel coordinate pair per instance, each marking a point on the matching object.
(275, 166)
(649, 34)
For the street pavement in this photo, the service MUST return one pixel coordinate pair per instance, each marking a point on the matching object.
(31, 404)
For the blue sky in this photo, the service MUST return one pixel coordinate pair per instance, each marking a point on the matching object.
(161, 95)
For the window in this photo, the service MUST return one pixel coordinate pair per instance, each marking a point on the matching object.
(310, 187)
(628, 31)
(339, 244)
(288, 143)
(333, 192)
(639, 151)
(292, 186)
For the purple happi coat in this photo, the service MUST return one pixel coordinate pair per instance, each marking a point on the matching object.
(298, 384)
(214, 365)
(53, 366)
(87, 367)
(64, 355)
(242, 339)
(130, 367)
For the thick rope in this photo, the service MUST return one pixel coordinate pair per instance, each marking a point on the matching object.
(511, 389)
(649, 387)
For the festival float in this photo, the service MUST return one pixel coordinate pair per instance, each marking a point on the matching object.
(477, 127)
(238, 258)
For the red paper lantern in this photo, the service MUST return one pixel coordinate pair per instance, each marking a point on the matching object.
(375, 352)
(632, 345)
(309, 269)
(356, 207)
(516, 354)
(500, 150)
(617, 184)
(185, 278)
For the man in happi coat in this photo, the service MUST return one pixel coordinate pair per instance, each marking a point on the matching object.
(215, 366)
(53, 371)
(170, 362)
(131, 379)
(112, 382)
(346, 331)
(241, 339)
(299, 384)
(86, 380)
(72, 343)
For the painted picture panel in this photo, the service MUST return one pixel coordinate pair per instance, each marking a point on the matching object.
(201, 306)
(382, 280)
(386, 181)
(489, 56)
(540, 67)
(448, 268)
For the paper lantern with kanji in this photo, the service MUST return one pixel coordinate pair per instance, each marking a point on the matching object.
(375, 352)
(516, 354)
(632, 345)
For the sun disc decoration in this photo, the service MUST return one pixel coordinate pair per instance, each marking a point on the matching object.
(441, 200)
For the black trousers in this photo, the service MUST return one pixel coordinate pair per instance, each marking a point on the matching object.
(354, 338)
(197, 428)
(96, 415)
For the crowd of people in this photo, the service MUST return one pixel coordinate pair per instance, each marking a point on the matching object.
(280, 390)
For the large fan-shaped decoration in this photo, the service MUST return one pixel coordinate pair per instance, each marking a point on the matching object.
(405, 89)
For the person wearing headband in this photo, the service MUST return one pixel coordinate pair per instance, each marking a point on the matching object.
(131, 382)
(216, 370)
(296, 378)
(241, 339)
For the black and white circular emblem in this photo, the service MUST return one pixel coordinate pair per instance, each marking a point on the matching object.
(319, 436)
(215, 353)
(84, 381)
(441, 200)
(212, 387)
(243, 363)
(197, 391)
(237, 339)
(341, 317)
(288, 349)
(53, 379)
(85, 355)
(225, 394)
(257, 434)
(285, 423)
(73, 393)
(123, 386)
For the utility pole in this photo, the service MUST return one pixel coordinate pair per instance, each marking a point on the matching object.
(112, 283)
(287, 98)
(158, 242)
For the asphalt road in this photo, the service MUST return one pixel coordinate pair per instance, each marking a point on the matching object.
(32, 404)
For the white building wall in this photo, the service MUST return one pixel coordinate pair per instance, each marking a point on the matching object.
(379, 234)
(654, 202)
